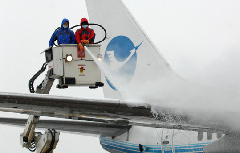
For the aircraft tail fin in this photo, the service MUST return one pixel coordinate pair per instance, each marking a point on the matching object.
(130, 57)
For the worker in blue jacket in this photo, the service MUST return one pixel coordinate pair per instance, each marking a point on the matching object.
(63, 35)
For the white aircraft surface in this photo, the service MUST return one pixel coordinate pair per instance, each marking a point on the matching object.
(179, 118)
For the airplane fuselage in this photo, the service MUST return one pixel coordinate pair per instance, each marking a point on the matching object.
(158, 140)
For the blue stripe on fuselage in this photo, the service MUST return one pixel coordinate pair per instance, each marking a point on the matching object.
(126, 147)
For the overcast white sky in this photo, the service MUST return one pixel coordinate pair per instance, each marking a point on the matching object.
(199, 38)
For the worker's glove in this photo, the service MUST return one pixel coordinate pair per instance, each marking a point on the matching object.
(81, 46)
(85, 41)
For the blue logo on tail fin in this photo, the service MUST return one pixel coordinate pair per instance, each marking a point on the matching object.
(121, 57)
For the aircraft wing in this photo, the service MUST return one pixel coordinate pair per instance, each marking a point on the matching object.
(72, 108)
(99, 114)
(93, 128)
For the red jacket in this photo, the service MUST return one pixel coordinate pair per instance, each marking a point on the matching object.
(85, 34)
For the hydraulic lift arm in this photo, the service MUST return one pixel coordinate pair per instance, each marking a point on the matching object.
(28, 134)
(36, 141)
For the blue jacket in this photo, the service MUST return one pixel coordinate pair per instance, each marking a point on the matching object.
(63, 36)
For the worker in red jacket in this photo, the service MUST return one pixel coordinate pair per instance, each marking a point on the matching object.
(84, 35)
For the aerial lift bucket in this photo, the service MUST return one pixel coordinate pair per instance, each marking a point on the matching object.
(72, 66)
